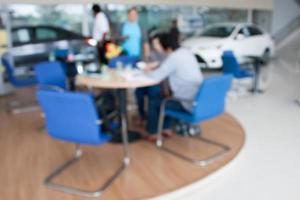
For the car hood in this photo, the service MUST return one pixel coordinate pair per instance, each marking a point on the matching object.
(202, 42)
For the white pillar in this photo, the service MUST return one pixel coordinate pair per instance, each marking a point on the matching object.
(85, 20)
(250, 16)
(5, 15)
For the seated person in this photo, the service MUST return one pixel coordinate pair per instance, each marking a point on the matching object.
(182, 71)
(153, 59)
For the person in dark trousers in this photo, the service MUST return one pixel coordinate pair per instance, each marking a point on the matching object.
(153, 59)
(184, 77)
(101, 30)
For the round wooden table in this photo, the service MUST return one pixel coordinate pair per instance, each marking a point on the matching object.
(115, 79)
(120, 81)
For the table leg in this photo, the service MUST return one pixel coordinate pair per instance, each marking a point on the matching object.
(131, 136)
(124, 124)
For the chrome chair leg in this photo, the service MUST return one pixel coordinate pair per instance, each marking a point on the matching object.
(201, 162)
(21, 110)
(75, 191)
(16, 107)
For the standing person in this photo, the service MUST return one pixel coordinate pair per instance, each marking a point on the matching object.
(100, 31)
(182, 70)
(133, 35)
(174, 31)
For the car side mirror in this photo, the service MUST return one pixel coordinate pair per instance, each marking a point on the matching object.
(239, 37)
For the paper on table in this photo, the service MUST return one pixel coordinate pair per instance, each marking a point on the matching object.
(136, 75)
(141, 65)
(104, 77)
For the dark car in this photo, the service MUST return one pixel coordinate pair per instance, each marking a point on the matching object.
(33, 44)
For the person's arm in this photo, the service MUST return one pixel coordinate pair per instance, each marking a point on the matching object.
(164, 71)
(146, 52)
(123, 35)
(145, 43)
(152, 66)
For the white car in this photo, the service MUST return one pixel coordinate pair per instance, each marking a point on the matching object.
(243, 39)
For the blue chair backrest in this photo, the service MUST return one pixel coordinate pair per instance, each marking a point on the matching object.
(125, 60)
(61, 53)
(24, 82)
(210, 99)
(230, 63)
(70, 116)
(9, 69)
(51, 73)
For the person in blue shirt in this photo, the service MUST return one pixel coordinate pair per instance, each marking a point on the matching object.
(133, 35)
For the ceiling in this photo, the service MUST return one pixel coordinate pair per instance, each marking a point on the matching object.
(240, 4)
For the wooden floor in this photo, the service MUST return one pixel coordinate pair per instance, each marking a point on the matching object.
(28, 155)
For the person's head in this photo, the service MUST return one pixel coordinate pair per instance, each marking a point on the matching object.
(96, 9)
(132, 14)
(174, 23)
(155, 43)
(168, 43)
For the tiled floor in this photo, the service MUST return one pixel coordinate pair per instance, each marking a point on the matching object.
(268, 167)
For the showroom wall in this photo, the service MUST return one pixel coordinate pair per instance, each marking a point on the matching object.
(191, 18)
(284, 12)
(233, 4)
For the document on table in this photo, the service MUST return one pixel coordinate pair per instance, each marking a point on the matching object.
(136, 75)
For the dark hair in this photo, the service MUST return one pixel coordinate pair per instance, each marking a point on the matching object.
(131, 9)
(151, 37)
(167, 41)
(96, 8)
(174, 22)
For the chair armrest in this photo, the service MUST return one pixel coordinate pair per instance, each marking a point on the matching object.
(165, 101)
(99, 122)
(111, 115)
(179, 100)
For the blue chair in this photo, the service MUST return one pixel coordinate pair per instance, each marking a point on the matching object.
(231, 66)
(209, 103)
(72, 117)
(17, 82)
(51, 74)
(125, 60)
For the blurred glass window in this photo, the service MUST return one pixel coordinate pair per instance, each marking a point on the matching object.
(46, 34)
(219, 31)
(21, 36)
(254, 31)
(244, 31)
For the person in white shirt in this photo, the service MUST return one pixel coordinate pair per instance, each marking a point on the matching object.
(100, 30)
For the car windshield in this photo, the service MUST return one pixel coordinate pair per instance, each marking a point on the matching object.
(219, 31)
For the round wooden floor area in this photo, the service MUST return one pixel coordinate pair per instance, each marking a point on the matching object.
(28, 155)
